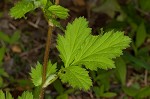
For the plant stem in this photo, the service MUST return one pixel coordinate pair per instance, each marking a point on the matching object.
(46, 56)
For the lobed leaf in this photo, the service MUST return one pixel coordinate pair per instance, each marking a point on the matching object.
(21, 8)
(2, 95)
(26, 95)
(78, 47)
(5, 96)
(59, 11)
(77, 77)
(36, 73)
(8, 95)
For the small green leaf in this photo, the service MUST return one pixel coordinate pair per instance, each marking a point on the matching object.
(140, 35)
(51, 68)
(131, 91)
(56, 23)
(36, 73)
(2, 95)
(77, 77)
(58, 86)
(138, 62)
(40, 3)
(21, 8)
(121, 70)
(108, 7)
(98, 90)
(62, 96)
(59, 11)
(1, 82)
(4, 37)
(50, 79)
(8, 95)
(44, 2)
(2, 53)
(108, 95)
(26, 95)
(15, 37)
(143, 93)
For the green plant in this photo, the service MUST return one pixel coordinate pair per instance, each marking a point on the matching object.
(79, 50)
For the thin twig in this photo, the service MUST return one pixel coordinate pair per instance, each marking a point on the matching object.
(145, 77)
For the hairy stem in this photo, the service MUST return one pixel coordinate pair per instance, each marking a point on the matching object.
(46, 56)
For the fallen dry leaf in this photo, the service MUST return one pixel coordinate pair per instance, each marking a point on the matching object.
(16, 49)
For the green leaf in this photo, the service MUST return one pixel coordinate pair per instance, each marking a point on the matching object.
(59, 11)
(77, 77)
(108, 94)
(62, 96)
(15, 37)
(4, 37)
(70, 44)
(144, 4)
(131, 91)
(2, 95)
(137, 62)
(1, 82)
(98, 90)
(56, 23)
(58, 86)
(51, 68)
(2, 53)
(121, 70)
(44, 2)
(26, 95)
(143, 93)
(8, 95)
(50, 79)
(21, 8)
(40, 3)
(36, 73)
(140, 35)
(98, 51)
(109, 7)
